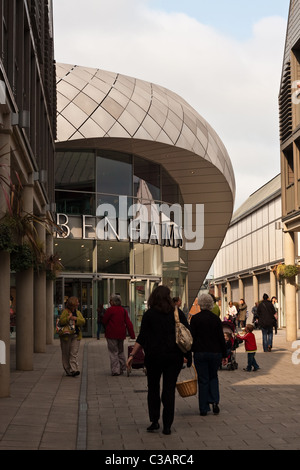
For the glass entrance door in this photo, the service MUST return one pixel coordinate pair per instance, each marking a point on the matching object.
(82, 289)
(93, 295)
(140, 292)
(138, 303)
(86, 304)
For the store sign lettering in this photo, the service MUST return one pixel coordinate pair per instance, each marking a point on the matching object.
(142, 223)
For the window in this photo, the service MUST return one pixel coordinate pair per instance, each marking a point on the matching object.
(75, 255)
(289, 157)
(75, 203)
(113, 257)
(170, 190)
(146, 179)
(114, 173)
(75, 171)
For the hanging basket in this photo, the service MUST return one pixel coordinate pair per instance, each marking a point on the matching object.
(287, 271)
(187, 388)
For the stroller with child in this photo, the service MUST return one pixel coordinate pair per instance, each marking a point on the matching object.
(232, 344)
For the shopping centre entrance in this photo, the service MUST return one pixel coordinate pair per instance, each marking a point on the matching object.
(94, 292)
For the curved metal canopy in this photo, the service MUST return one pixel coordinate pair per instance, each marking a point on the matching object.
(107, 110)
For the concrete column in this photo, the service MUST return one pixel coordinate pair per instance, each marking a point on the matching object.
(40, 300)
(216, 291)
(273, 283)
(24, 311)
(229, 294)
(24, 320)
(255, 289)
(49, 296)
(4, 283)
(4, 325)
(290, 289)
(241, 288)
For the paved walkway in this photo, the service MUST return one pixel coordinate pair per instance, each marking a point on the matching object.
(95, 411)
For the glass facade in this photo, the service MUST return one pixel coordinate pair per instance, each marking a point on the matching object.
(97, 260)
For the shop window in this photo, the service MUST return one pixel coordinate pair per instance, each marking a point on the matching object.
(147, 259)
(170, 190)
(75, 171)
(114, 173)
(75, 203)
(113, 257)
(146, 179)
(171, 269)
(75, 255)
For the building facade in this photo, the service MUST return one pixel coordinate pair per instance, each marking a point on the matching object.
(289, 113)
(128, 154)
(288, 231)
(246, 266)
(27, 139)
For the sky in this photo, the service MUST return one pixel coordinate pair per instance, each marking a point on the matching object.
(223, 57)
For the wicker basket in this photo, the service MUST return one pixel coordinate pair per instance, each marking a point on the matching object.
(187, 388)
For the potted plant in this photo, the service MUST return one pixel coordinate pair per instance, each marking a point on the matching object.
(18, 234)
(53, 266)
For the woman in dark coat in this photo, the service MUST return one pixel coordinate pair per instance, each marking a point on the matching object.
(209, 348)
(163, 358)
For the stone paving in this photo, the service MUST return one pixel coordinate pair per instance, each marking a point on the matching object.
(95, 411)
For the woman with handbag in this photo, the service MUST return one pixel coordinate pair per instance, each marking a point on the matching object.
(71, 321)
(163, 358)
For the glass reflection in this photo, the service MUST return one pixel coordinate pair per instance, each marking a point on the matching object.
(146, 179)
(113, 257)
(75, 255)
(114, 173)
(75, 171)
(75, 203)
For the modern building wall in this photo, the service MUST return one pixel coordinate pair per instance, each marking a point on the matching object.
(268, 251)
(245, 266)
(27, 135)
(108, 112)
(289, 113)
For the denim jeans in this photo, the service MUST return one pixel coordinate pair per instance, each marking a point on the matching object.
(252, 361)
(267, 336)
(207, 365)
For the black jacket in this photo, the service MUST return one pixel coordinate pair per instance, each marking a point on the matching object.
(157, 334)
(207, 332)
(265, 314)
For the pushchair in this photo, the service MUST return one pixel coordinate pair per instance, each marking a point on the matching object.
(138, 361)
(233, 344)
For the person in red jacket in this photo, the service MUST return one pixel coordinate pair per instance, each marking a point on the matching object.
(117, 322)
(250, 347)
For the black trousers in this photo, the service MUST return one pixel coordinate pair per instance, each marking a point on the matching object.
(167, 367)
